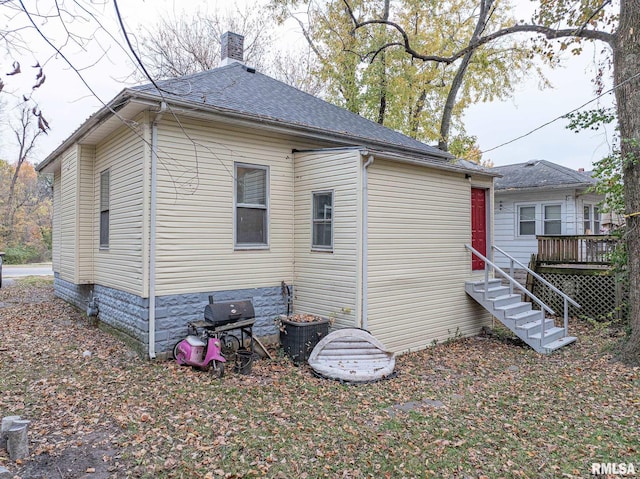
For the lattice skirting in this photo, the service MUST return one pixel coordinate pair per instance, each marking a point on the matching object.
(599, 294)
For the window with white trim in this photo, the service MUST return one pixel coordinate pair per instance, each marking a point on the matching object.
(526, 220)
(251, 206)
(587, 220)
(104, 208)
(322, 227)
(591, 219)
(552, 219)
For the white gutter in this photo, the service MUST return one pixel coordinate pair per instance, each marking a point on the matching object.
(152, 231)
(365, 241)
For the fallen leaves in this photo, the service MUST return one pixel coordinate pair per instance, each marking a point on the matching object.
(457, 410)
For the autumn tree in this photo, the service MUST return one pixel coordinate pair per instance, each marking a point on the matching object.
(368, 76)
(25, 199)
(26, 235)
(26, 135)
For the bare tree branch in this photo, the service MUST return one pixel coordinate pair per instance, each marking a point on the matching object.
(549, 33)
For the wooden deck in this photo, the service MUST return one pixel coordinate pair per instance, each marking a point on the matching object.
(579, 265)
(574, 250)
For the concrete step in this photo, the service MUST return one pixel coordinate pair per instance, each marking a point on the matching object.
(558, 343)
(526, 316)
(534, 327)
(495, 292)
(479, 285)
(505, 300)
(512, 309)
(550, 335)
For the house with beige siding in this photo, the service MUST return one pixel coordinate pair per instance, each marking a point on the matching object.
(228, 183)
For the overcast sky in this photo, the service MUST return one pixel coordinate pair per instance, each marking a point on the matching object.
(66, 102)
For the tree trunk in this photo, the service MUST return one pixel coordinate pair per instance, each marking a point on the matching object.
(447, 112)
(416, 111)
(382, 108)
(626, 58)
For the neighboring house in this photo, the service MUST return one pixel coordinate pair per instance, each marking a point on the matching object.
(541, 198)
(228, 182)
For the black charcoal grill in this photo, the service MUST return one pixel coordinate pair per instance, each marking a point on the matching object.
(223, 316)
(229, 312)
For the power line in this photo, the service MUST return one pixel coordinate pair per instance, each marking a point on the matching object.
(563, 116)
(161, 92)
(129, 124)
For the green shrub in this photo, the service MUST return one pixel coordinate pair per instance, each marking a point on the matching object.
(22, 254)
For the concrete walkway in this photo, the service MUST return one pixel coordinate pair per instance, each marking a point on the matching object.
(22, 270)
(11, 272)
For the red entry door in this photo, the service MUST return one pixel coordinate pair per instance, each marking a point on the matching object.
(478, 226)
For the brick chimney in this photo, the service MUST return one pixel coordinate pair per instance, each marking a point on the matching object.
(581, 170)
(232, 48)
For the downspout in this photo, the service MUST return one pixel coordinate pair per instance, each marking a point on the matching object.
(152, 231)
(365, 241)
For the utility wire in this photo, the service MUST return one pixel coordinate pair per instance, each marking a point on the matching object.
(131, 125)
(161, 92)
(564, 115)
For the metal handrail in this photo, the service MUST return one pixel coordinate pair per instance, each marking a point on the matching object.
(538, 277)
(565, 299)
(512, 281)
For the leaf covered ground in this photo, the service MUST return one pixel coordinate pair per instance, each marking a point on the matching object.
(483, 407)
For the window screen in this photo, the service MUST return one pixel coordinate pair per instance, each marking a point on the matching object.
(251, 213)
(552, 220)
(527, 220)
(322, 234)
(104, 208)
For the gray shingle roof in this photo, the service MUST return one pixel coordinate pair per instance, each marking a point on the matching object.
(540, 174)
(238, 89)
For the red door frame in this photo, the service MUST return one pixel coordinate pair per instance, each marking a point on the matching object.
(478, 226)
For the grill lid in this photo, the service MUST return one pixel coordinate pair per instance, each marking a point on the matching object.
(225, 312)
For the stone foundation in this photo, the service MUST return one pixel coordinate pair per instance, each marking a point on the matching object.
(129, 314)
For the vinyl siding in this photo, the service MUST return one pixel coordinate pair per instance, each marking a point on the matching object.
(507, 235)
(326, 283)
(419, 221)
(85, 214)
(68, 215)
(56, 237)
(195, 219)
(120, 266)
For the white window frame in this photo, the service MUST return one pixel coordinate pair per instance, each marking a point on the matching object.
(594, 220)
(323, 248)
(587, 218)
(544, 220)
(535, 221)
(597, 220)
(236, 205)
(102, 224)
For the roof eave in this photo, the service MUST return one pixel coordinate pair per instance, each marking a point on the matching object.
(423, 160)
(526, 189)
(92, 122)
(187, 108)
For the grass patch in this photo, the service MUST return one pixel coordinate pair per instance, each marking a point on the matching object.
(37, 281)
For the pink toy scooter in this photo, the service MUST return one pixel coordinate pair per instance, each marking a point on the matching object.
(203, 352)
